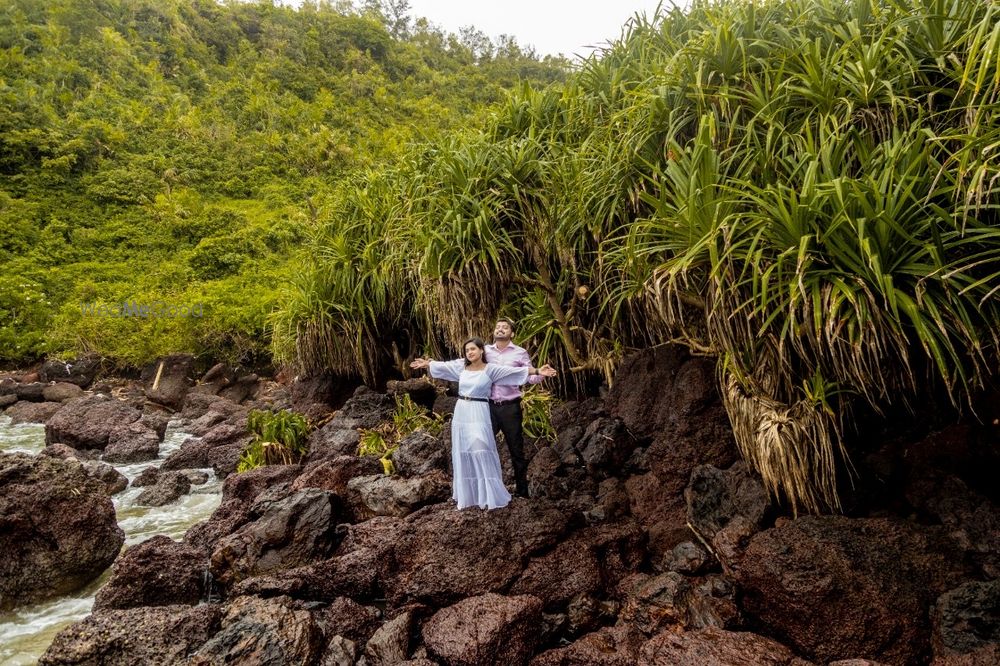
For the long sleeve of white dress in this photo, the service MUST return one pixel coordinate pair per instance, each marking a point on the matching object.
(448, 370)
(505, 375)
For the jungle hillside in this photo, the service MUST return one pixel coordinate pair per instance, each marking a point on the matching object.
(177, 155)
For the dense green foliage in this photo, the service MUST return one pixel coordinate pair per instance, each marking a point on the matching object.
(408, 417)
(180, 151)
(279, 438)
(805, 189)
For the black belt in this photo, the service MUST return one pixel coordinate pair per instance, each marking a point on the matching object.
(505, 402)
(465, 397)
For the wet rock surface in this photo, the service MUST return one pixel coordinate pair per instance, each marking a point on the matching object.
(156, 572)
(57, 528)
(87, 422)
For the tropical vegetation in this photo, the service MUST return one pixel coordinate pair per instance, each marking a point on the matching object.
(384, 439)
(805, 190)
(279, 438)
(178, 153)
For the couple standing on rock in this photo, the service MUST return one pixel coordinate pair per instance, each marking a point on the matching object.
(489, 402)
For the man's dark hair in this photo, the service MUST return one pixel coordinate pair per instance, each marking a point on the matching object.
(510, 322)
(479, 343)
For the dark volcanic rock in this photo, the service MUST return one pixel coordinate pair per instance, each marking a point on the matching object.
(440, 555)
(290, 532)
(157, 635)
(239, 491)
(169, 486)
(62, 392)
(113, 480)
(381, 495)
(337, 438)
(421, 453)
(346, 617)
(611, 646)
(587, 563)
(715, 497)
(967, 618)
(390, 644)
(57, 528)
(175, 379)
(485, 630)
(87, 422)
(32, 412)
(80, 371)
(835, 587)
(716, 646)
(30, 391)
(130, 443)
(156, 572)
(333, 474)
(262, 631)
(245, 387)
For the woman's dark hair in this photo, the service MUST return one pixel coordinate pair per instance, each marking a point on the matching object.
(479, 343)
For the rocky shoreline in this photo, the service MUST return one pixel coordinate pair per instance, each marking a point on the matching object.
(645, 540)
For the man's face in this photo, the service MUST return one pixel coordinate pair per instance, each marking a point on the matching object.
(502, 331)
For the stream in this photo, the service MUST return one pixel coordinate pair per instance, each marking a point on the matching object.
(26, 632)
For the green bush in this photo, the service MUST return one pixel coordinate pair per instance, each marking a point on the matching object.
(279, 438)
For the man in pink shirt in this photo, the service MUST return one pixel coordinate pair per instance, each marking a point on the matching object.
(505, 401)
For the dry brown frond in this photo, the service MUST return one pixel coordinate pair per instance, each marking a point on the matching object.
(793, 447)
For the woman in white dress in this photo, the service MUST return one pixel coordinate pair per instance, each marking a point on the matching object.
(478, 479)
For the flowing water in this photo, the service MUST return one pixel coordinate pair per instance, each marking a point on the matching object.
(26, 632)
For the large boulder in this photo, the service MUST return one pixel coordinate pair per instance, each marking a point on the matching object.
(80, 371)
(169, 486)
(132, 442)
(334, 474)
(239, 492)
(381, 495)
(716, 497)
(390, 644)
(421, 453)
(62, 392)
(967, 618)
(32, 412)
(835, 587)
(219, 448)
(262, 631)
(485, 630)
(716, 646)
(589, 562)
(168, 380)
(339, 437)
(289, 532)
(609, 646)
(440, 555)
(147, 635)
(87, 422)
(57, 528)
(156, 572)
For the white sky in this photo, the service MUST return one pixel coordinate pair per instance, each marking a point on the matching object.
(570, 27)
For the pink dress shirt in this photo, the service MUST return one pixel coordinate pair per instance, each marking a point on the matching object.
(515, 357)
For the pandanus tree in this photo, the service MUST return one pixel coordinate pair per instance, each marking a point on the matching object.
(804, 189)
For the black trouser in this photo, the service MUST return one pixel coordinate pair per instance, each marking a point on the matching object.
(507, 418)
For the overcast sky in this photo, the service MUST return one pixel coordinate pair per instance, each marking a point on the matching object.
(570, 27)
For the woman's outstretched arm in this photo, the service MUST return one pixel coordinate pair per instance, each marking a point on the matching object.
(447, 370)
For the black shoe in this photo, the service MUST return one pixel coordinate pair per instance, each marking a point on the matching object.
(521, 492)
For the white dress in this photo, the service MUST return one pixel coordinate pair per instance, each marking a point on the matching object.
(477, 477)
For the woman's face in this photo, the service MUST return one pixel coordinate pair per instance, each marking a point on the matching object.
(473, 353)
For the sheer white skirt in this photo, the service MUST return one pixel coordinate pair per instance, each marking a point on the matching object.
(478, 477)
